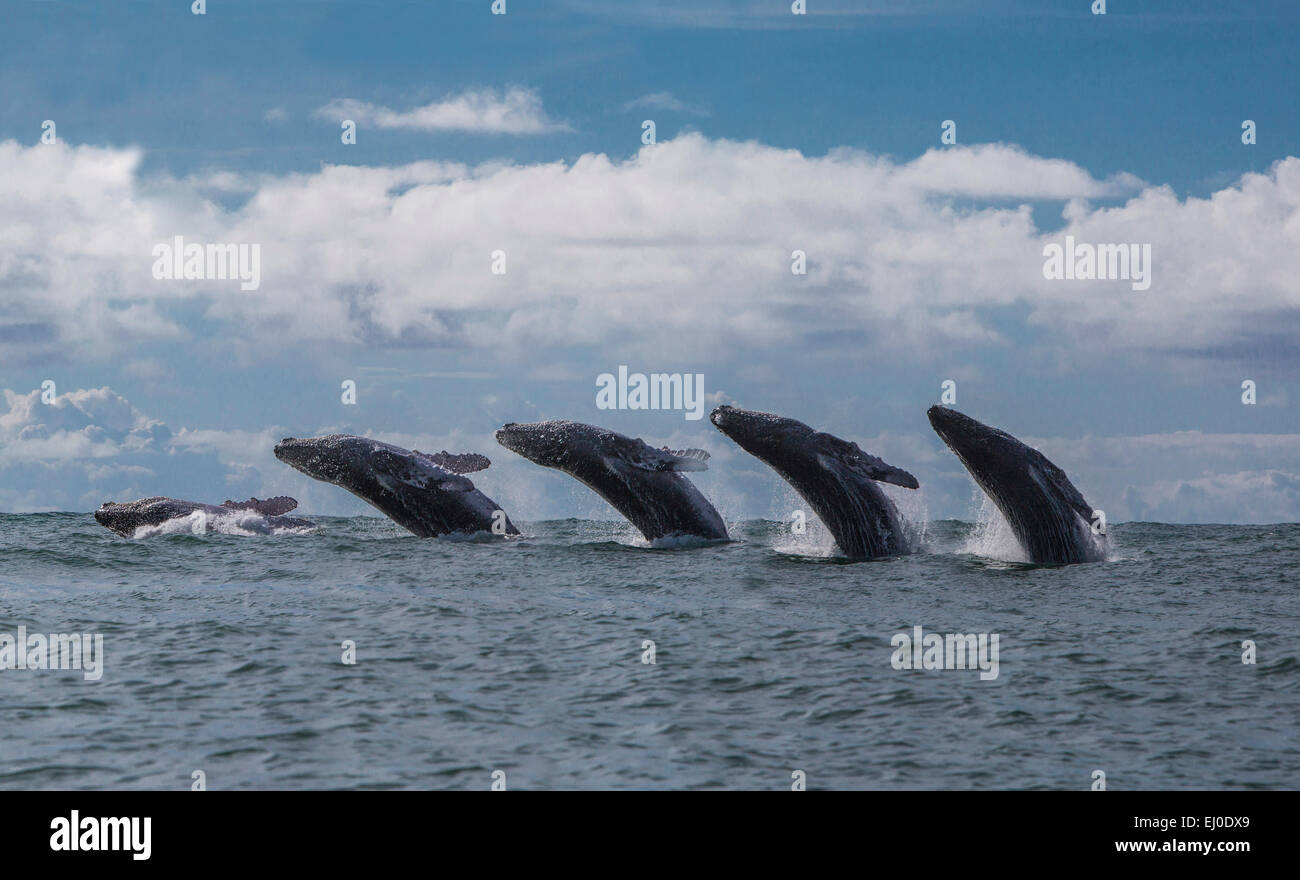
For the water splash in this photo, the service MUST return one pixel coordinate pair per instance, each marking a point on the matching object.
(913, 511)
(245, 523)
(816, 541)
(991, 535)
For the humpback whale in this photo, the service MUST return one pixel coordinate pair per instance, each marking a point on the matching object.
(1048, 515)
(641, 482)
(428, 495)
(835, 477)
(269, 514)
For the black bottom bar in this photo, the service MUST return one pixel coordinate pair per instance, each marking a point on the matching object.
(334, 830)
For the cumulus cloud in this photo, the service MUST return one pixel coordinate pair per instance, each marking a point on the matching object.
(516, 111)
(683, 247)
(84, 424)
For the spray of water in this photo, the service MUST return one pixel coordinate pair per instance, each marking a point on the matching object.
(913, 511)
(991, 535)
(245, 523)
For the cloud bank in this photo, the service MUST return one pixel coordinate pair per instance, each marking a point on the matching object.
(682, 247)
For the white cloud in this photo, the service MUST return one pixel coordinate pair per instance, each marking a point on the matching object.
(665, 101)
(84, 424)
(1183, 476)
(683, 247)
(1244, 497)
(515, 111)
(1002, 171)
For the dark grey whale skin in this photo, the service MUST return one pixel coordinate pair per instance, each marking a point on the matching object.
(835, 477)
(126, 518)
(425, 494)
(639, 481)
(1047, 514)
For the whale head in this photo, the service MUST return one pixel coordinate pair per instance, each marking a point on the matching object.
(1004, 467)
(550, 444)
(989, 454)
(762, 434)
(118, 517)
(126, 518)
(335, 458)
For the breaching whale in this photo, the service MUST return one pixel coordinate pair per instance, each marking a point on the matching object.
(835, 477)
(641, 482)
(126, 518)
(1046, 513)
(428, 495)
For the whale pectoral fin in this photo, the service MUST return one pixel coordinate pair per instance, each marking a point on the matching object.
(647, 458)
(687, 459)
(882, 472)
(666, 459)
(868, 465)
(277, 506)
(462, 463)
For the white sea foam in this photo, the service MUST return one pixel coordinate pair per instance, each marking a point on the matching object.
(237, 522)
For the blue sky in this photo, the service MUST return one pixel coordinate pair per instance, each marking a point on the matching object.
(775, 132)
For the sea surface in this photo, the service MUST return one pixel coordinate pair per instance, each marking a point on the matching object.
(223, 653)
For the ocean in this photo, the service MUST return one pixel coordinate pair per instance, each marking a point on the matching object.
(526, 662)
